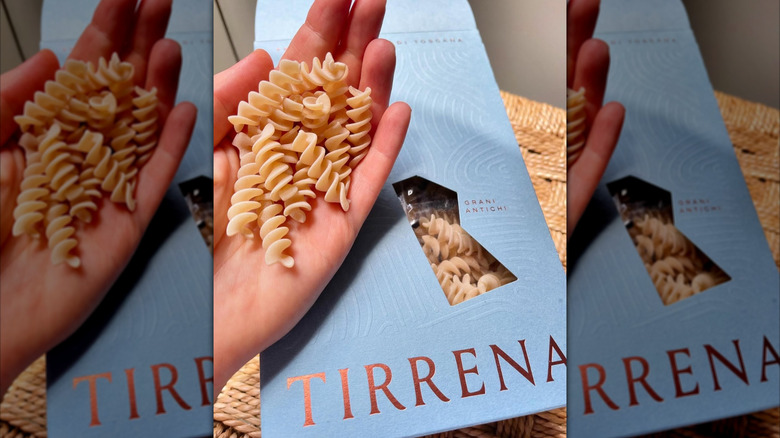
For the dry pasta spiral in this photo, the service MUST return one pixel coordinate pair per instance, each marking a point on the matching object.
(84, 136)
(295, 134)
(575, 123)
(462, 267)
(677, 268)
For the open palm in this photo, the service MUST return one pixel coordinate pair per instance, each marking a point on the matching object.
(43, 303)
(256, 304)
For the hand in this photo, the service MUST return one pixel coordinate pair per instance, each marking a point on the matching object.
(40, 303)
(256, 304)
(587, 62)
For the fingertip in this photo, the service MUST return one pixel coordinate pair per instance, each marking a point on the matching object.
(402, 110)
(48, 59)
(382, 46)
(187, 110)
(615, 112)
(392, 129)
(259, 56)
(596, 44)
(166, 54)
(164, 66)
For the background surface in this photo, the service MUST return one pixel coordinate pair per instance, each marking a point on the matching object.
(740, 45)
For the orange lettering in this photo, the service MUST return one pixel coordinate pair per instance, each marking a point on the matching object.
(158, 388)
(308, 421)
(586, 388)
(372, 388)
(428, 379)
(462, 373)
(93, 405)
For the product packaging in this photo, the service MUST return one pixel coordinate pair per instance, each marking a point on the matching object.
(672, 292)
(389, 348)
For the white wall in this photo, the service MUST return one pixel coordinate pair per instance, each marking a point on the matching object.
(526, 44)
(740, 44)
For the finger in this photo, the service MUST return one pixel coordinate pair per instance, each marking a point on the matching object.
(157, 174)
(378, 72)
(109, 32)
(233, 85)
(11, 171)
(226, 165)
(164, 68)
(590, 166)
(591, 73)
(581, 17)
(19, 85)
(365, 22)
(321, 32)
(151, 22)
(371, 174)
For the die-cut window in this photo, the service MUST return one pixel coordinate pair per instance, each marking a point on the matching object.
(677, 267)
(464, 268)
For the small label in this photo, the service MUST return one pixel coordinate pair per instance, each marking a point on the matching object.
(486, 205)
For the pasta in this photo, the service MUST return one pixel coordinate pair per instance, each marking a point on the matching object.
(462, 267)
(299, 136)
(676, 266)
(575, 123)
(85, 136)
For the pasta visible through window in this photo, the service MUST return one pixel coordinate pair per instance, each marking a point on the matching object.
(463, 267)
(677, 267)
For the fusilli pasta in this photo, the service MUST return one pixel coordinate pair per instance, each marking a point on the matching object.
(300, 135)
(84, 136)
(575, 123)
(676, 266)
(462, 266)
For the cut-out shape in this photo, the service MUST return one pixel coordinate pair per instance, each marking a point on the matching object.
(464, 268)
(678, 268)
(199, 194)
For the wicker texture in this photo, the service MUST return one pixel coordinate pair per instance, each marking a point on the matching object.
(540, 130)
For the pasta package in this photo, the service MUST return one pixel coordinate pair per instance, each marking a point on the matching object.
(672, 288)
(453, 270)
(85, 136)
(299, 136)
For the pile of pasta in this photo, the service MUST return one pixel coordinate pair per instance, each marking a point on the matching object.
(677, 267)
(86, 135)
(301, 134)
(575, 123)
(462, 266)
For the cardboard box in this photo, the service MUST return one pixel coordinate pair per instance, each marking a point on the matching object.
(141, 364)
(383, 352)
(647, 354)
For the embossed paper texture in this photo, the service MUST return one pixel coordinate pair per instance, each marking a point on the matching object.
(638, 364)
(382, 352)
(141, 364)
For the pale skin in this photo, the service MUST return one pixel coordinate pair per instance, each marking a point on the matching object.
(587, 66)
(40, 303)
(256, 304)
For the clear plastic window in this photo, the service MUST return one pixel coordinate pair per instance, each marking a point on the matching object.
(464, 268)
(677, 267)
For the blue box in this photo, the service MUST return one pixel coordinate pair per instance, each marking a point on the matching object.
(638, 363)
(383, 321)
